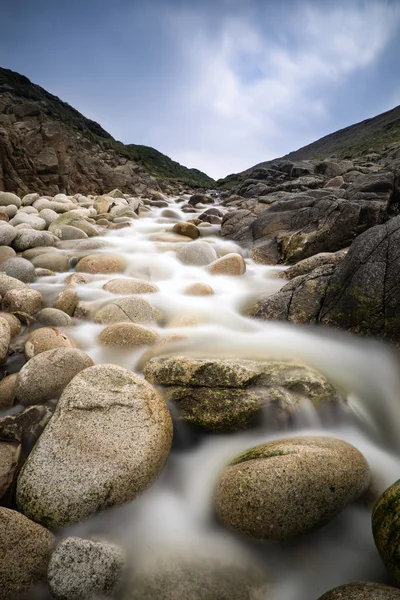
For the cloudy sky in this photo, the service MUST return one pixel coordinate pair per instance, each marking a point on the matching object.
(216, 84)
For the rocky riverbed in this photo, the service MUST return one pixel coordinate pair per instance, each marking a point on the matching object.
(157, 440)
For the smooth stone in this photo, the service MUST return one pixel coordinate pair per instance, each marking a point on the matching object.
(29, 199)
(48, 215)
(14, 323)
(54, 317)
(130, 286)
(30, 238)
(199, 289)
(7, 234)
(230, 264)
(24, 302)
(6, 252)
(362, 590)
(40, 250)
(130, 308)
(72, 219)
(69, 232)
(25, 548)
(7, 387)
(8, 283)
(20, 268)
(254, 494)
(52, 262)
(108, 440)
(76, 279)
(187, 229)
(10, 455)
(35, 222)
(46, 338)
(45, 375)
(197, 253)
(8, 198)
(86, 569)
(10, 210)
(127, 335)
(168, 237)
(5, 339)
(101, 263)
(44, 272)
(67, 301)
(386, 529)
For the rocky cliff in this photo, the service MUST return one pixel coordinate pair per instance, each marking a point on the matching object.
(49, 147)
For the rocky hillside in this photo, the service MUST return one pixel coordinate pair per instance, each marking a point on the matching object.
(48, 146)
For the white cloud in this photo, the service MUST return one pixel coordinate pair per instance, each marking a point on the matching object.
(250, 97)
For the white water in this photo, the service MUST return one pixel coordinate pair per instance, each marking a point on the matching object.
(176, 513)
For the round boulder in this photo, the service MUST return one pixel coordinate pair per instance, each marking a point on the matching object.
(20, 268)
(362, 591)
(54, 317)
(130, 286)
(131, 308)
(199, 289)
(85, 569)
(197, 253)
(53, 262)
(45, 375)
(25, 302)
(127, 335)
(101, 263)
(7, 198)
(230, 264)
(46, 338)
(67, 301)
(255, 492)
(7, 233)
(386, 528)
(187, 229)
(108, 440)
(7, 395)
(14, 323)
(30, 238)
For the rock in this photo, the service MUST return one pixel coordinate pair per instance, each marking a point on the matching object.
(7, 198)
(10, 210)
(9, 458)
(116, 193)
(24, 302)
(8, 283)
(84, 310)
(172, 238)
(7, 394)
(127, 335)
(254, 493)
(46, 338)
(53, 262)
(39, 272)
(179, 577)
(309, 264)
(67, 301)
(54, 317)
(5, 339)
(197, 253)
(29, 238)
(4, 216)
(29, 199)
(76, 279)
(34, 221)
(230, 264)
(386, 529)
(199, 289)
(362, 591)
(101, 263)
(73, 219)
(185, 319)
(186, 229)
(25, 427)
(69, 232)
(130, 431)
(200, 199)
(130, 308)
(130, 286)
(7, 234)
(20, 268)
(6, 252)
(337, 181)
(85, 569)
(14, 323)
(45, 375)
(25, 548)
(33, 252)
(48, 215)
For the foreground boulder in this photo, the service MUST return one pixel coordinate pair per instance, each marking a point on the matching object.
(231, 394)
(25, 549)
(108, 440)
(85, 569)
(362, 591)
(255, 492)
(386, 529)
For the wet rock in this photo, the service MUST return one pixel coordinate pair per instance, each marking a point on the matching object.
(46, 338)
(187, 229)
(29, 238)
(197, 253)
(25, 548)
(25, 427)
(101, 263)
(386, 530)
(254, 493)
(7, 394)
(199, 289)
(107, 441)
(303, 267)
(54, 317)
(24, 302)
(200, 199)
(9, 459)
(5, 339)
(127, 335)
(230, 264)
(45, 375)
(131, 308)
(362, 590)
(14, 323)
(168, 237)
(77, 279)
(53, 262)
(39, 272)
(67, 301)
(19, 268)
(33, 252)
(130, 286)
(87, 569)
(7, 234)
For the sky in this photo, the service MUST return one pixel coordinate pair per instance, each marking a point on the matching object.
(219, 85)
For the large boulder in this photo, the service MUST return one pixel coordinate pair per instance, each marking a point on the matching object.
(108, 440)
(362, 590)
(386, 529)
(197, 253)
(130, 308)
(255, 492)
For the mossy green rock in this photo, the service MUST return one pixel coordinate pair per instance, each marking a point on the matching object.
(362, 591)
(386, 528)
(288, 487)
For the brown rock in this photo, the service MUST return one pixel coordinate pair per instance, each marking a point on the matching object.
(187, 229)
(199, 289)
(230, 264)
(24, 302)
(101, 263)
(127, 335)
(46, 338)
(130, 286)
(7, 391)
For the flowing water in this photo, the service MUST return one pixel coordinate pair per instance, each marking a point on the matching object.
(175, 514)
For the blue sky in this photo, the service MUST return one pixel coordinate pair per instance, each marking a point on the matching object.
(219, 85)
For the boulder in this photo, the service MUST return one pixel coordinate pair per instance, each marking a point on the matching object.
(362, 590)
(54, 317)
(254, 494)
(10, 454)
(230, 264)
(67, 301)
(101, 263)
(5, 339)
(127, 335)
(108, 440)
(386, 530)
(199, 289)
(130, 286)
(7, 198)
(29, 238)
(54, 262)
(25, 302)
(130, 308)
(14, 323)
(7, 394)
(200, 199)
(186, 229)
(7, 233)
(46, 338)
(20, 268)
(197, 253)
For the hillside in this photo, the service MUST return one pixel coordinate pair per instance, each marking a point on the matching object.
(48, 146)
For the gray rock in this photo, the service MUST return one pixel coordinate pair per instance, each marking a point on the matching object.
(45, 375)
(107, 441)
(54, 262)
(130, 308)
(288, 487)
(7, 198)
(29, 238)
(20, 268)
(6, 252)
(34, 221)
(362, 590)
(309, 264)
(5, 339)
(54, 317)
(197, 253)
(69, 232)
(25, 548)
(386, 530)
(7, 233)
(48, 215)
(8, 283)
(85, 569)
